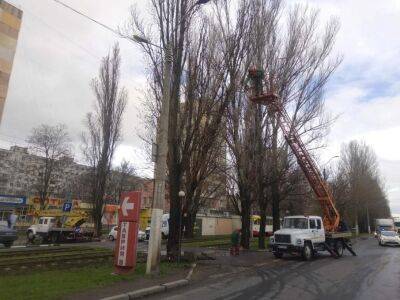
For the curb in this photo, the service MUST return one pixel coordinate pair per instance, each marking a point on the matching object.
(164, 287)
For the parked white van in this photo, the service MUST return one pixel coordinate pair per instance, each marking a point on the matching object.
(164, 227)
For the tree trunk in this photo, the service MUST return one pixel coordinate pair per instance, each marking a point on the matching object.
(174, 213)
(190, 220)
(275, 207)
(356, 224)
(275, 180)
(261, 235)
(97, 224)
(245, 216)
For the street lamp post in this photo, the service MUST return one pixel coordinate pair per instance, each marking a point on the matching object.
(323, 170)
(181, 196)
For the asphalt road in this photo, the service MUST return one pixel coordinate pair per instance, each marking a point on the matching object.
(373, 274)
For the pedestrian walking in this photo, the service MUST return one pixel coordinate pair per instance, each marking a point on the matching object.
(235, 242)
(12, 219)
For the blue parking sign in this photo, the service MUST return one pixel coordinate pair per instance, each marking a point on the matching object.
(67, 206)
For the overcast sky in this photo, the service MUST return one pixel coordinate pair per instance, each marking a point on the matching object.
(59, 52)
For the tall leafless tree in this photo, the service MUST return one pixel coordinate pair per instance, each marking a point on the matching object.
(297, 63)
(357, 186)
(172, 20)
(296, 57)
(104, 129)
(121, 179)
(52, 145)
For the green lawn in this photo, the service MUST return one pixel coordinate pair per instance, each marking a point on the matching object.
(54, 284)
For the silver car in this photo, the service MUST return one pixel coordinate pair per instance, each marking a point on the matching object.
(389, 238)
(7, 236)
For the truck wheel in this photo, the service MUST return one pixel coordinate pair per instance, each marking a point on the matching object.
(30, 236)
(307, 252)
(54, 238)
(278, 254)
(339, 248)
(8, 244)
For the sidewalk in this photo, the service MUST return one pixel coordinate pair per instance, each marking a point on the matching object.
(221, 263)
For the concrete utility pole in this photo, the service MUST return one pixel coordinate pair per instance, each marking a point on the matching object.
(154, 250)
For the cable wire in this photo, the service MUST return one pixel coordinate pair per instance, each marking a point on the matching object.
(90, 18)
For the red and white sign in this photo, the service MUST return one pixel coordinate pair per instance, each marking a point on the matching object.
(127, 242)
(130, 206)
(127, 239)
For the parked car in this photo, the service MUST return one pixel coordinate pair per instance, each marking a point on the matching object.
(114, 231)
(164, 227)
(389, 238)
(7, 236)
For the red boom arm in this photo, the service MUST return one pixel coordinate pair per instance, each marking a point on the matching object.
(331, 216)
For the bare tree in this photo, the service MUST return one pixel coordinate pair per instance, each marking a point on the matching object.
(172, 20)
(359, 192)
(121, 179)
(104, 129)
(297, 63)
(81, 186)
(52, 145)
(202, 122)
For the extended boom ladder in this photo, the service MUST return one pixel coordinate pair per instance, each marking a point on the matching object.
(331, 216)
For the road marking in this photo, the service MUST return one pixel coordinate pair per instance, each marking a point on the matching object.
(261, 264)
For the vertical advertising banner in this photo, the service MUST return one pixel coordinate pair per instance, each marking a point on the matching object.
(127, 237)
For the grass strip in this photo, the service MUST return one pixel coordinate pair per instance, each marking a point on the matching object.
(54, 284)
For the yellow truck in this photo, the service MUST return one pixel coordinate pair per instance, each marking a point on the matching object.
(55, 227)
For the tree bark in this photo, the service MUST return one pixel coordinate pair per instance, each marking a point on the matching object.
(261, 235)
(275, 195)
(174, 211)
(245, 216)
(190, 221)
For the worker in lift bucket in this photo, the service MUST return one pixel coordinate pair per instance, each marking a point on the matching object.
(235, 242)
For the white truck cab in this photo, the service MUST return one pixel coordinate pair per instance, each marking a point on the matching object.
(305, 235)
(42, 227)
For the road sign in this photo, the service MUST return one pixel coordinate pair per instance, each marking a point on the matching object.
(127, 243)
(127, 237)
(130, 206)
(67, 206)
(126, 205)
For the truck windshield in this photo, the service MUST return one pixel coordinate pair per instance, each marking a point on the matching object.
(299, 223)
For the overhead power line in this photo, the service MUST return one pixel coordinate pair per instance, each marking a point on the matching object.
(89, 18)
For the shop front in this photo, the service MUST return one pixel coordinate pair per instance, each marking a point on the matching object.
(110, 215)
(10, 204)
